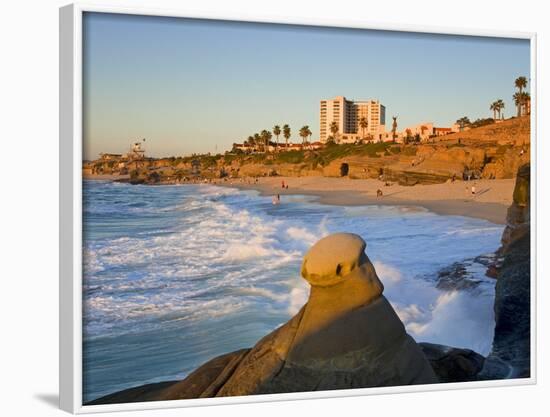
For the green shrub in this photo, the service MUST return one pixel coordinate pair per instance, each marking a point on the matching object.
(290, 157)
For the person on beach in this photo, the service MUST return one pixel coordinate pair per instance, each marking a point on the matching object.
(379, 193)
(283, 184)
(474, 189)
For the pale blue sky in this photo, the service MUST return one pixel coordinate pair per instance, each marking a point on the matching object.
(198, 86)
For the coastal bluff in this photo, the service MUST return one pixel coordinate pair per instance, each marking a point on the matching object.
(510, 356)
(489, 152)
(346, 336)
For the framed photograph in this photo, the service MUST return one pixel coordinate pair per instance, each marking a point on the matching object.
(267, 210)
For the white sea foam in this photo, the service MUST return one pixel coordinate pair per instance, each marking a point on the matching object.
(387, 273)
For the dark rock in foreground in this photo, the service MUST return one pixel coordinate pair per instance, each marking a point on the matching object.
(453, 364)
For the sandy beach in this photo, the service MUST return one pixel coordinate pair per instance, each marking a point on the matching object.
(490, 202)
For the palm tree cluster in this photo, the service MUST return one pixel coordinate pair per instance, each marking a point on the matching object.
(521, 97)
(496, 107)
(262, 141)
(305, 133)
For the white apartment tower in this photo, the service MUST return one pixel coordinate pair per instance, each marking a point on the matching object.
(347, 114)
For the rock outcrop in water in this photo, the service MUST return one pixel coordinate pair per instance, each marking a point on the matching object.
(346, 336)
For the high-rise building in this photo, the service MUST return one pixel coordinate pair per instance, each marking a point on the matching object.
(347, 115)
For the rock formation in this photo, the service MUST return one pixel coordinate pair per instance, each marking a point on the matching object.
(453, 364)
(510, 354)
(346, 336)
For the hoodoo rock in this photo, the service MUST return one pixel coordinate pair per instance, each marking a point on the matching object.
(347, 335)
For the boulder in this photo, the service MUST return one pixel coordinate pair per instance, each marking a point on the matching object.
(453, 364)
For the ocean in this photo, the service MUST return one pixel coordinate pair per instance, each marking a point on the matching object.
(176, 275)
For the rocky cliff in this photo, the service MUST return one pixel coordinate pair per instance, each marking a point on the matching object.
(510, 355)
(495, 151)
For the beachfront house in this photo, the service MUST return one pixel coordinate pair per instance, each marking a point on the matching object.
(109, 156)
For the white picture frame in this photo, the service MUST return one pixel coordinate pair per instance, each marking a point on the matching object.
(70, 203)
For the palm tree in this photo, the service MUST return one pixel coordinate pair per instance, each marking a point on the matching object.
(520, 100)
(276, 132)
(363, 124)
(494, 108)
(520, 83)
(250, 141)
(286, 134)
(394, 129)
(264, 139)
(518, 97)
(500, 106)
(334, 130)
(268, 137)
(257, 141)
(304, 133)
(309, 133)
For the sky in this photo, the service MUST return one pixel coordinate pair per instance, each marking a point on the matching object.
(196, 86)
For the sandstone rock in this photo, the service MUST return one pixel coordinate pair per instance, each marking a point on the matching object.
(346, 336)
(510, 354)
(504, 162)
(518, 217)
(359, 166)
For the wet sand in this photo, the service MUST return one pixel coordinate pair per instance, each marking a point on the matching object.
(490, 202)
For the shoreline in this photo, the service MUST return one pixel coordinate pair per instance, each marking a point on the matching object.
(489, 204)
